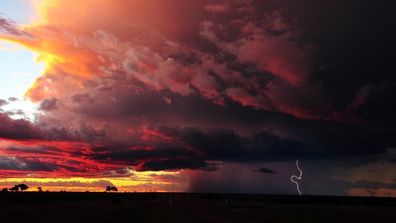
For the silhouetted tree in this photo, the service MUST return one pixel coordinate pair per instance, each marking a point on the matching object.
(111, 188)
(23, 186)
(39, 189)
(14, 188)
(4, 190)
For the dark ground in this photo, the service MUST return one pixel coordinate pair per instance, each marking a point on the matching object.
(164, 207)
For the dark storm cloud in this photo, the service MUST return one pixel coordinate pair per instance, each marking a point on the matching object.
(342, 141)
(198, 146)
(192, 109)
(17, 129)
(3, 102)
(195, 146)
(21, 129)
(7, 163)
(48, 104)
(265, 170)
(236, 82)
(354, 45)
(375, 103)
(229, 146)
(9, 27)
(133, 155)
(172, 164)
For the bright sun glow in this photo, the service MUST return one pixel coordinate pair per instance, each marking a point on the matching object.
(138, 182)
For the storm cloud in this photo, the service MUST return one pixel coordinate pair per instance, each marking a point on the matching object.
(205, 85)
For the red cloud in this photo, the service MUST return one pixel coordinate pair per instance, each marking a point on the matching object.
(149, 134)
(217, 8)
(51, 158)
(147, 61)
(140, 65)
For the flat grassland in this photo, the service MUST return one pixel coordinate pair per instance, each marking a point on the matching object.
(20, 207)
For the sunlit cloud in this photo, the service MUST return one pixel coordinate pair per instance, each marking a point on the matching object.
(189, 96)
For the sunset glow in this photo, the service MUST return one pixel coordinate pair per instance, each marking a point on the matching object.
(194, 96)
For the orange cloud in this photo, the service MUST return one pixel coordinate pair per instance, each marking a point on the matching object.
(380, 192)
(86, 39)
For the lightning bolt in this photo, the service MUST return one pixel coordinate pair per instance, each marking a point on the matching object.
(294, 178)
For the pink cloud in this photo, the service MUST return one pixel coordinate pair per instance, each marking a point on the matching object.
(217, 8)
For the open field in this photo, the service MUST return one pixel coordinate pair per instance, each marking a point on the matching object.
(185, 207)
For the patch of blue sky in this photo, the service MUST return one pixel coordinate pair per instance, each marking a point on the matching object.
(20, 11)
(18, 70)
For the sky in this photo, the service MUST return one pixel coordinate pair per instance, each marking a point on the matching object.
(15, 78)
(198, 96)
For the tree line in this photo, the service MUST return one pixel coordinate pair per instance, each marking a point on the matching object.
(23, 187)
